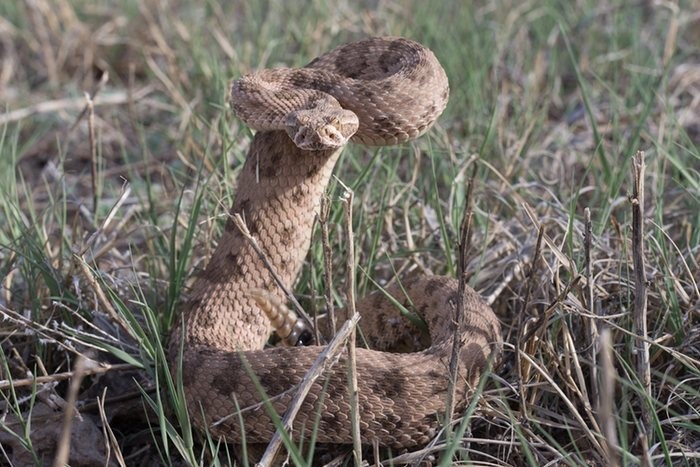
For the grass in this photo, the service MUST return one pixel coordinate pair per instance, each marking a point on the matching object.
(549, 100)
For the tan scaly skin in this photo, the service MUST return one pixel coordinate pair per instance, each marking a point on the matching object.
(384, 91)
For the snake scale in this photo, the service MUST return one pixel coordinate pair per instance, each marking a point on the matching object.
(377, 91)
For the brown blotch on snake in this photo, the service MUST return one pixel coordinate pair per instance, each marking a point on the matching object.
(381, 91)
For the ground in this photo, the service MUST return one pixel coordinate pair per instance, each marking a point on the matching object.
(119, 155)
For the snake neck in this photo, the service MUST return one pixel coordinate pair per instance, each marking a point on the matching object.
(278, 196)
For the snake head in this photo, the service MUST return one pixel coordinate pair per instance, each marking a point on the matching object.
(321, 127)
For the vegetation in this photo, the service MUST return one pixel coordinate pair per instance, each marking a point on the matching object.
(119, 157)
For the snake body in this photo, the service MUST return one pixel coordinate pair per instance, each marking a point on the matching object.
(376, 91)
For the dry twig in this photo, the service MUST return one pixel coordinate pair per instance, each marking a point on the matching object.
(352, 363)
(324, 361)
(63, 447)
(92, 370)
(640, 294)
(606, 420)
(458, 312)
(591, 323)
(93, 152)
(323, 218)
(74, 103)
(243, 228)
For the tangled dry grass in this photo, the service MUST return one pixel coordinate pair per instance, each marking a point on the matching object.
(119, 160)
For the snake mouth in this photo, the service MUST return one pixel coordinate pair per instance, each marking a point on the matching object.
(321, 127)
(311, 139)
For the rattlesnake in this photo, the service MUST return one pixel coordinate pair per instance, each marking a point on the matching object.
(386, 91)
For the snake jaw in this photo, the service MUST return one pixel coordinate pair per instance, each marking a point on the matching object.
(309, 139)
(321, 127)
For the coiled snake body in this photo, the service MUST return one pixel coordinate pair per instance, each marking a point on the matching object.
(386, 91)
